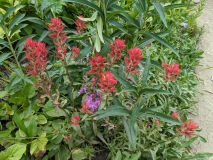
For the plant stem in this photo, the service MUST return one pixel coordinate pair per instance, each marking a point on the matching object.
(67, 73)
(105, 16)
(11, 48)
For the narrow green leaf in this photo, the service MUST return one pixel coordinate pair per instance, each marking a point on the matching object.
(16, 20)
(100, 28)
(156, 37)
(97, 43)
(22, 40)
(11, 10)
(89, 4)
(201, 156)
(160, 10)
(79, 37)
(118, 26)
(16, 28)
(154, 63)
(4, 43)
(91, 19)
(144, 5)
(43, 35)
(148, 40)
(172, 6)
(14, 81)
(153, 91)
(189, 142)
(146, 71)
(19, 122)
(125, 83)
(113, 13)
(4, 56)
(32, 128)
(100, 136)
(130, 132)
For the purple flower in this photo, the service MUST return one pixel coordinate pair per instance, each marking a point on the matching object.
(84, 89)
(184, 25)
(93, 101)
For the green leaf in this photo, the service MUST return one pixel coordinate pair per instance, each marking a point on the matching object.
(111, 111)
(52, 113)
(118, 26)
(38, 144)
(130, 132)
(16, 20)
(41, 119)
(43, 35)
(3, 93)
(79, 37)
(144, 5)
(78, 154)
(113, 13)
(146, 71)
(156, 37)
(89, 4)
(4, 43)
(189, 142)
(148, 40)
(118, 156)
(125, 83)
(4, 134)
(63, 153)
(154, 63)
(11, 10)
(32, 128)
(97, 43)
(160, 10)
(153, 91)
(100, 28)
(16, 28)
(15, 152)
(172, 6)
(19, 122)
(4, 56)
(100, 136)
(91, 19)
(135, 111)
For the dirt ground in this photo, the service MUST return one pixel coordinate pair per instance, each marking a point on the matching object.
(205, 72)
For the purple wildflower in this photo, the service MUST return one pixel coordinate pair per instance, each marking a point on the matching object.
(84, 89)
(184, 25)
(93, 101)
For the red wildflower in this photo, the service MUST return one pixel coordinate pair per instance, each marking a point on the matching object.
(97, 64)
(107, 82)
(85, 108)
(76, 52)
(75, 120)
(80, 25)
(188, 128)
(116, 49)
(36, 53)
(133, 60)
(175, 115)
(170, 71)
(157, 122)
(58, 36)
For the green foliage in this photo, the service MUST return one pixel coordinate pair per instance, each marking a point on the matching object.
(36, 124)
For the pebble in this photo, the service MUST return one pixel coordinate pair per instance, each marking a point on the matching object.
(212, 79)
(196, 1)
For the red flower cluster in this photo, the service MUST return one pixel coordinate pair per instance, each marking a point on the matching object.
(85, 108)
(116, 49)
(188, 128)
(170, 71)
(59, 37)
(75, 120)
(107, 82)
(133, 60)
(76, 52)
(36, 53)
(97, 64)
(175, 115)
(80, 25)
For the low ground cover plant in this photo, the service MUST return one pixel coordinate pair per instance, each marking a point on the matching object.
(85, 79)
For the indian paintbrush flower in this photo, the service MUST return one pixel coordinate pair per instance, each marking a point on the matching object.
(59, 37)
(36, 53)
(80, 25)
(175, 115)
(75, 52)
(116, 49)
(107, 82)
(170, 71)
(188, 128)
(75, 120)
(97, 64)
(134, 59)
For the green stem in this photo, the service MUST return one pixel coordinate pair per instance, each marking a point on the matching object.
(67, 73)
(105, 16)
(11, 48)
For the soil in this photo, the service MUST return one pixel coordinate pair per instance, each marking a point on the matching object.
(205, 72)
